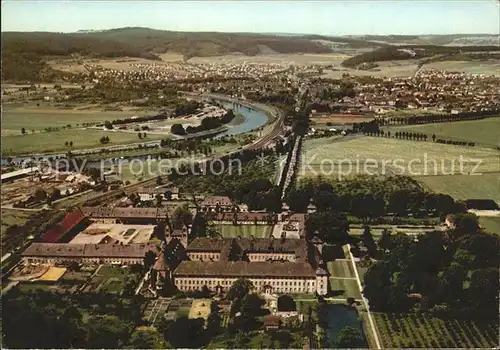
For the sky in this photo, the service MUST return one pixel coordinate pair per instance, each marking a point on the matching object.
(324, 17)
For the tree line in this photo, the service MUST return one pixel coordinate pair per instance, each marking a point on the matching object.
(60, 320)
(370, 198)
(372, 128)
(416, 136)
(391, 53)
(439, 118)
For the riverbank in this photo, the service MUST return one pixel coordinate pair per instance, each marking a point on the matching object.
(249, 117)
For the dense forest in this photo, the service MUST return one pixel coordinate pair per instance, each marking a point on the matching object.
(449, 274)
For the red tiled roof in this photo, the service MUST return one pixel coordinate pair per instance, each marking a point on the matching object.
(55, 233)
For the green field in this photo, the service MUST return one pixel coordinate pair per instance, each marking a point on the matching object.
(39, 118)
(110, 279)
(340, 268)
(260, 340)
(12, 217)
(482, 132)
(490, 224)
(485, 186)
(344, 288)
(55, 141)
(257, 231)
(427, 331)
(383, 156)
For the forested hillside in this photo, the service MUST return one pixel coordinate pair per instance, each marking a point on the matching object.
(392, 53)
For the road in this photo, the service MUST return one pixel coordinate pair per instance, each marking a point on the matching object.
(365, 301)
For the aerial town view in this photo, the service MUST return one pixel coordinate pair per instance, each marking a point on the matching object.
(250, 174)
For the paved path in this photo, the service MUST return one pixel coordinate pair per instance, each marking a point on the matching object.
(159, 304)
(10, 207)
(370, 319)
(144, 279)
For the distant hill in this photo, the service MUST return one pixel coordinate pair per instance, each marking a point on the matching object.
(434, 39)
(24, 53)
(429, 52)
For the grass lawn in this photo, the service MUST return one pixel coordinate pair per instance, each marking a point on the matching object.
(349, 156)
(38, 118)
(482, 132)
(12, 217)
(260, 340)
(45, 142)
(257, 231)
(344, 288)
(485, 186)
(340, 268)
(74, 277)
(427, 331)
(110, 279)
(490, 224)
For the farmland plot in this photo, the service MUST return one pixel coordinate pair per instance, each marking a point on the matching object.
(384, 156)
(427, 331)
(484, 186)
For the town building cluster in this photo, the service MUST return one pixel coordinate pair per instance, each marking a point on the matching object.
(178, 71)
(272, 265)
(283, 262)
(429, 91)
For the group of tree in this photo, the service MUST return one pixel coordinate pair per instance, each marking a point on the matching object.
(371, 128)
(347, 337)
(416, 136)
(187, 107)
(141, 135)
(438, 118)
(68, 143)
(246, 306)
(328, 225)
(391, 53)
(245, 309)
(455, 143)
(453, 273)
(104, 140)
(370, 198)
(344, 89)
(55, 320)
(182, 217)
(272, 97)
(245, 182)
(207, 123)
(182, 107)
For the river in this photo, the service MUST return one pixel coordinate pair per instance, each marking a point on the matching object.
(253, 119)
